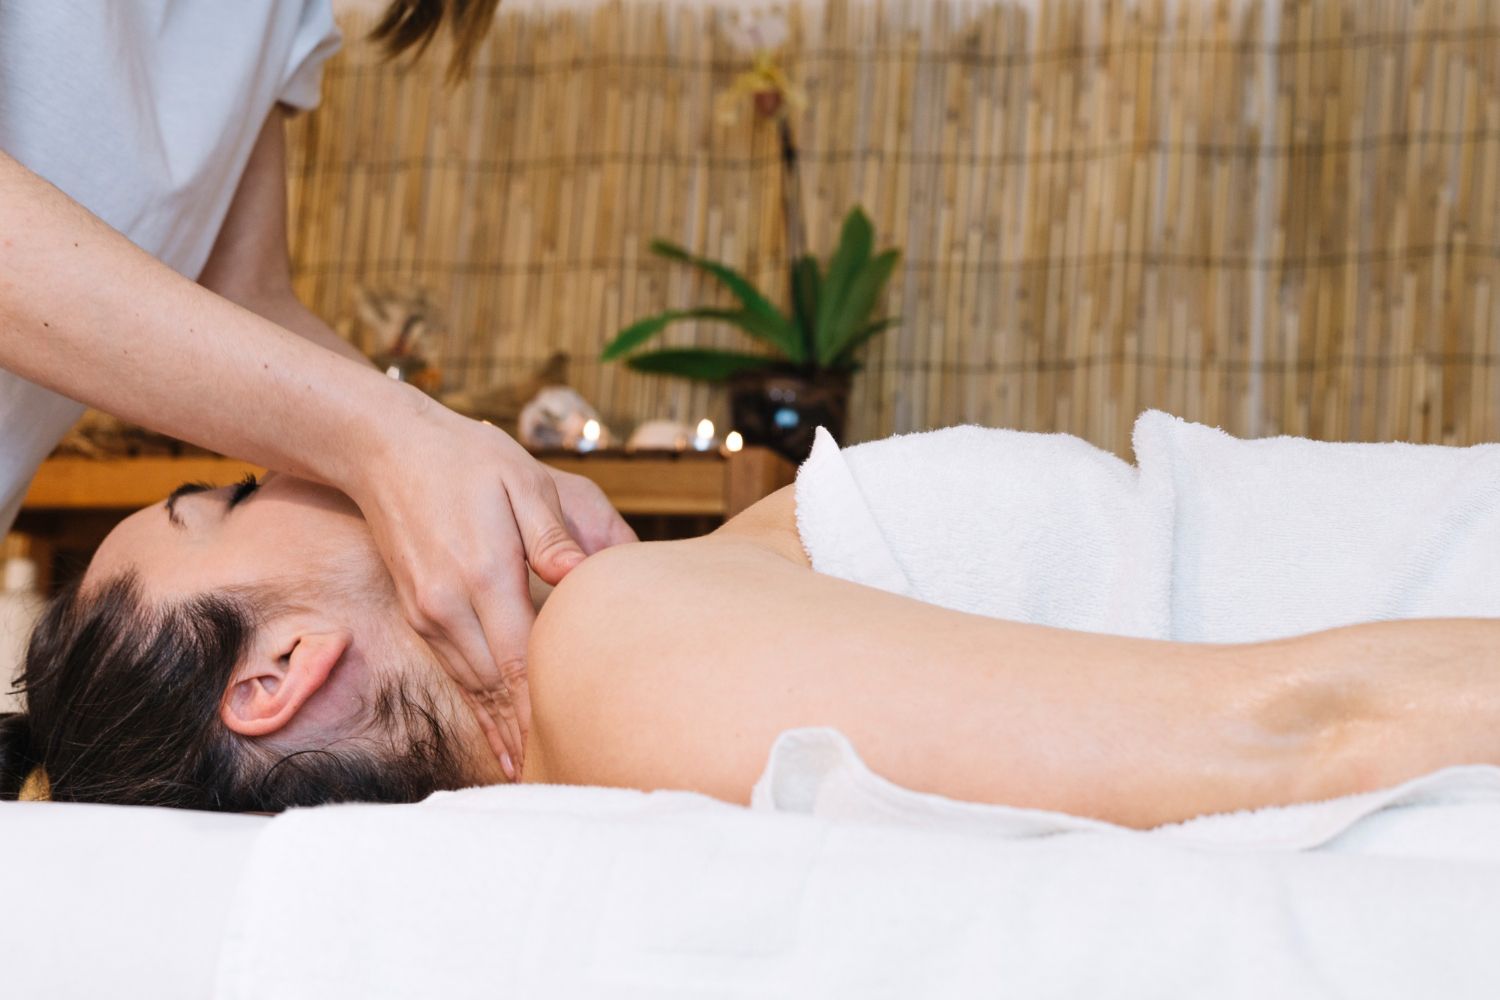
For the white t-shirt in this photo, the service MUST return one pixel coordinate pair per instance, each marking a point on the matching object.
(145, 112)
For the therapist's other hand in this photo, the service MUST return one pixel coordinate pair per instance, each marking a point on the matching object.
(458, 509)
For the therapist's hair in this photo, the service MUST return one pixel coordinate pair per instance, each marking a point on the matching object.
(413, 24)
(122, 706)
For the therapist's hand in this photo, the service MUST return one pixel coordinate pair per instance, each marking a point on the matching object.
(458, 509)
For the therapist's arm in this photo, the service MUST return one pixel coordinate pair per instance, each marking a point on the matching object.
(456, 507)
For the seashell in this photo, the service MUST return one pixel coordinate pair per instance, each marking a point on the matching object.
(554, 419)
(660, 435)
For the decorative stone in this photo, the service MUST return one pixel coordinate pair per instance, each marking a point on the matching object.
(554, 419)
(660, 435)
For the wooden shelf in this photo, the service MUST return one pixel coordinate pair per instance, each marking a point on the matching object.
(122, 483)
(688, 484)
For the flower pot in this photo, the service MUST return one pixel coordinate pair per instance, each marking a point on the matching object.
(781, 410)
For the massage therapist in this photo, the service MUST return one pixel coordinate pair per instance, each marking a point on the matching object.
(144, 271)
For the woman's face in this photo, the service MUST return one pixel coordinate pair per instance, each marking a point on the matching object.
(307, 555)
(249, 535)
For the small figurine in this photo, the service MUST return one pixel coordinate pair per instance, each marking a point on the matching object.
(396, 334)
(555, 418)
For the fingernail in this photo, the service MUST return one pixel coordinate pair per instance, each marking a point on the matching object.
(508, 766)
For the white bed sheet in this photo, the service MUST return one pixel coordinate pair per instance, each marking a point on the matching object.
(109, 901)
(563, 893)
(575, 892)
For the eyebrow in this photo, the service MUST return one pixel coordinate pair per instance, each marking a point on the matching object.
(186, 489)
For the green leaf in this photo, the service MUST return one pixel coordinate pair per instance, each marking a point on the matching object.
(639, 332)
(705, 365)
(864, 293)
(806, 282)
(848, 260)
(845, 357)
(762, 319)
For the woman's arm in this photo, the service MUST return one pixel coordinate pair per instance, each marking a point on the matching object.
(457, 508)
(675, 666)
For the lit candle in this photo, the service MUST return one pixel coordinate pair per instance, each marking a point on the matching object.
(590, 439)
(734, 441)
(704, 438)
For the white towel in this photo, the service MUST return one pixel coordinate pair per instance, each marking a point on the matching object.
(1211, 539)
(1283, 535)
(1453, 814)
(1030, 527)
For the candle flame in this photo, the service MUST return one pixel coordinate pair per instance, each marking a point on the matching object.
(706, 429)
(591, 431)
(734, 441)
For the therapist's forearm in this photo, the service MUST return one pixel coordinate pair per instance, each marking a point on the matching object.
(288, 312)
(85, 312)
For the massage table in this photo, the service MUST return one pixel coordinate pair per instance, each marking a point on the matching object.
(572, 892)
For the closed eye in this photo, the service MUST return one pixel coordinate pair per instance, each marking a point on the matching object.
(186, 489)
(241, 491)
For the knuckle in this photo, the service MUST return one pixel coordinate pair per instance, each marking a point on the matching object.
(481, 572)
(537, 485)
(513, 670)
(549, 540)
(431, 609)
(573, 481)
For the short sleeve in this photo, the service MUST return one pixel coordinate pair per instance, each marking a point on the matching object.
(317, 38)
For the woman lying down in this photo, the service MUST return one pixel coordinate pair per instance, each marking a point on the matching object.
(241, 648)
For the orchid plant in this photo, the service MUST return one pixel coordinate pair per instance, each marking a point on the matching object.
(831, 305)
(829, 321)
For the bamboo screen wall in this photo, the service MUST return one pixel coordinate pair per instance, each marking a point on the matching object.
(1272, 215)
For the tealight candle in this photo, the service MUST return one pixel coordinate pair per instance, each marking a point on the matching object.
(590, 439)
(734, 441)
(703, 438)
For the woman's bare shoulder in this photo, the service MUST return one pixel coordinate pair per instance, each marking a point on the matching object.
(628, 622)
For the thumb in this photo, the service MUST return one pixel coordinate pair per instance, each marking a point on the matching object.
(550, 548)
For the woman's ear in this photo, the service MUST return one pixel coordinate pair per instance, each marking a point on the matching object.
(267, 691)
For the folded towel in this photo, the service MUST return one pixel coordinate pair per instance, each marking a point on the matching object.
(1283, 535)
(1030, 527)
(1212, 539)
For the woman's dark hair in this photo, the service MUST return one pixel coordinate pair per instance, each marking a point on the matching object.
(15, 764)
(122, 706)
(408, 24)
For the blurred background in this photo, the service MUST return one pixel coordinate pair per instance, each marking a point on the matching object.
(1276, 216)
